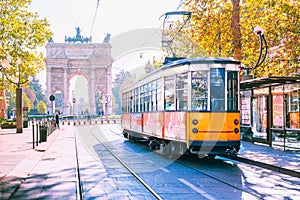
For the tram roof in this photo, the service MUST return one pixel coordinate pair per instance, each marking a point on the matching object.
(267, 82)
(201, 60)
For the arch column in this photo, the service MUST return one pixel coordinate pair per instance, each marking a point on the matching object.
(49, 91)
(66, 104)
(92, 94)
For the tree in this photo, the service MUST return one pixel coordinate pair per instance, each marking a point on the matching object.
(35, 92)
(41, 107)
(122, 79)
(215, 26)
(26, 102)
(22, 32)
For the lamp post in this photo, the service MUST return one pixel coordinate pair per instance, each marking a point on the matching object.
(263, 51)
(17, 81)
(262, 45)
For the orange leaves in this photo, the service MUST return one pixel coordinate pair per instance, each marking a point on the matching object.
(214, 32)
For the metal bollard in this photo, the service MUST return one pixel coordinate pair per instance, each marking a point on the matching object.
(37, 134)
(33, 136)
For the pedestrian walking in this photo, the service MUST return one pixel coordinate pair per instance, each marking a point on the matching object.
(57, 120)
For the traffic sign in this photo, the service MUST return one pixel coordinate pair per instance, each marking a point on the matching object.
(52, 97)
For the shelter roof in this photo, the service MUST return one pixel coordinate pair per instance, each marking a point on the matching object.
(268, 82)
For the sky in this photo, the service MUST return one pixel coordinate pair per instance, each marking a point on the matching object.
(115, 17)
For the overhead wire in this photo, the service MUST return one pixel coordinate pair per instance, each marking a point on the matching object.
(149, 38)
(94, 19)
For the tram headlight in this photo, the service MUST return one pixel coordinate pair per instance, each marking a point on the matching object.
(236, 130)
(195, 121)
(195, 130)
(236, 121)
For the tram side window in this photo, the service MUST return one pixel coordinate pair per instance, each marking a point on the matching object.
(199, 90)
(159, 105)
(169, 93)
(153, 105)
(217, 89)
(147, 96)
(232, 91)
(181, 91)
(128, 101)
(142, 94)
(136, 100)
(123, 103)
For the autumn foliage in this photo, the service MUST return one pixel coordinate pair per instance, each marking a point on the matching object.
(224, 28)
(22, 34)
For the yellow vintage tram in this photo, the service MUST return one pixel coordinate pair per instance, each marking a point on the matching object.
(187, 105)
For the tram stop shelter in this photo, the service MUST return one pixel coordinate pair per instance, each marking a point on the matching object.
(270, 111)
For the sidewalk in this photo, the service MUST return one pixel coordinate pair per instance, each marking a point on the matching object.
(263, 155)
(46, 172)
(49, 170)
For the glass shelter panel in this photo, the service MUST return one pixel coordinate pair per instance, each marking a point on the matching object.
(199, 90)
(259, 114)
(278, 106)
(293, 107)
(246, 107)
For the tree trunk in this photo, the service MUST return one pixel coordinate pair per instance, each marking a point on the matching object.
(236, 31)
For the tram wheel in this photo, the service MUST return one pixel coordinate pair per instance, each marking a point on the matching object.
(131, 138)
(170, 150)
(173, 150)
(162, 149)
(182, 149)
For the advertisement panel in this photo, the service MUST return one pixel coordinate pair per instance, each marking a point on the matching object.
(136, 121)
(153, 123)
(175, 127)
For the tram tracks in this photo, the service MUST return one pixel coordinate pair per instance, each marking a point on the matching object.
(191, 165)
(79, 194)
(259, 168)
(157, 196)
(255, 163)
(101, 141)
(252, 195)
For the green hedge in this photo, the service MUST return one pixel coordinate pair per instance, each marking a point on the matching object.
(8, 125)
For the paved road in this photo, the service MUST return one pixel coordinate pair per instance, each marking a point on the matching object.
(49, 171)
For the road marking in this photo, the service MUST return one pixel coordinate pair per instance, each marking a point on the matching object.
(202, 192)
(165, 170)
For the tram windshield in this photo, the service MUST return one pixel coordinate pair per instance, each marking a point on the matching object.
(217, 89)
(232, 91)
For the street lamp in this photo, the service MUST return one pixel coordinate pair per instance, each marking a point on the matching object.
(263, 51)
(17, 81)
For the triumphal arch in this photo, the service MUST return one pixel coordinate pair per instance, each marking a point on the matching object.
(79, 56)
